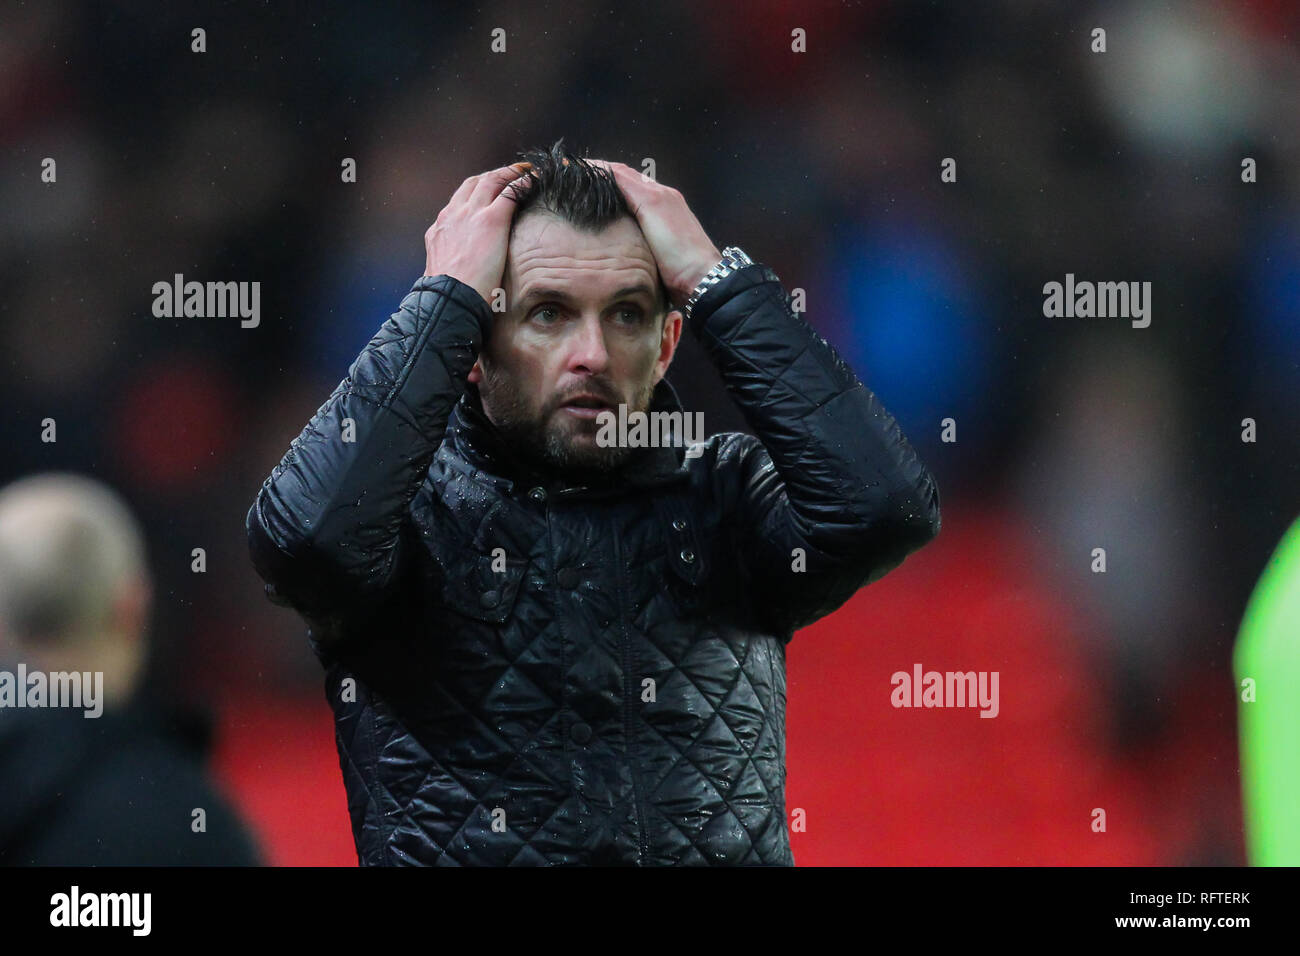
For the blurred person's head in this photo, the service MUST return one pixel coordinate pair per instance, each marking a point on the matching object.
(589, 325)
(75, 591)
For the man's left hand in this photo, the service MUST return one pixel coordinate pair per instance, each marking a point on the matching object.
(678, 242)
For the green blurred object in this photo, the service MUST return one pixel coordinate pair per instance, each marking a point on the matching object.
(1268, 653)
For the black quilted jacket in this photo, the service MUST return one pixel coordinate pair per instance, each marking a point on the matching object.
(528, 672)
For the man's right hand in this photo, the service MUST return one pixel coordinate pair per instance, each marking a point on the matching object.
(468, 241)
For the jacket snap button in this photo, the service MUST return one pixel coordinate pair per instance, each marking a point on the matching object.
(567, 577)
(580, 733)
(489, 598)
(538, 494)
(688, 555)
(679, 524)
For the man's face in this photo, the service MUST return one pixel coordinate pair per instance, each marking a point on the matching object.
(582, 335)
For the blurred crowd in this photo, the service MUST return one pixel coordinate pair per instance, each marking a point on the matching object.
(1071, 434)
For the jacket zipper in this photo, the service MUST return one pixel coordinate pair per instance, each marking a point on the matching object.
(627, 698)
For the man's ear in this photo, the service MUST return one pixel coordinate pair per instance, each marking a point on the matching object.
(668, 339)
(476, 373)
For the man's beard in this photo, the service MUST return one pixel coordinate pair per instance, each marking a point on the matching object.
(546, 439)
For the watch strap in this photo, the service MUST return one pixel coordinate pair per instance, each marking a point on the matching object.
(733, 260)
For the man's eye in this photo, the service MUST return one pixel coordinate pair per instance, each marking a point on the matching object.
(540, 314)
(630, 316)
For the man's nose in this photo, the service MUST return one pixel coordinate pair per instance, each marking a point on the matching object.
(587, 348)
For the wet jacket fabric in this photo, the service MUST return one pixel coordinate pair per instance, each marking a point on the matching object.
(528, 670)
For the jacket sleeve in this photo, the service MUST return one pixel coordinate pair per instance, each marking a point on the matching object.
(327, 529)
(831, 496)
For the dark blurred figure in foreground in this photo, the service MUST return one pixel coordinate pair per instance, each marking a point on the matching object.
(109, 780)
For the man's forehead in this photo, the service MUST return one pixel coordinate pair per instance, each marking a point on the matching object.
(546, 246)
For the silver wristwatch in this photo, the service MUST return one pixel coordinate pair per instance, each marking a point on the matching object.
(733, 259)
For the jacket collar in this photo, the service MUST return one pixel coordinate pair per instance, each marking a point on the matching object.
(473, 437)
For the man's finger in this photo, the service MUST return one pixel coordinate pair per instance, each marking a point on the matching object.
(624, 175)
(507, 195)
(628, 181)
(463, 191)
(491, 183)
(623, 171)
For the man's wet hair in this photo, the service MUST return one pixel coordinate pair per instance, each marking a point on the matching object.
(582, 194)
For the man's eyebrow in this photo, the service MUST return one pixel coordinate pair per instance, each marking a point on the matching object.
(560, 296)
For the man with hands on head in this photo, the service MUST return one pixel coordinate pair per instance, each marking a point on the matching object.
(543, 650)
